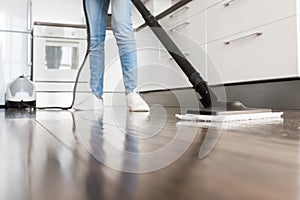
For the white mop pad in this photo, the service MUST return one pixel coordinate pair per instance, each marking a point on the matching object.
(230, 117)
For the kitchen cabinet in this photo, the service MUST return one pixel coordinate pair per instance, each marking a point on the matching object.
(58, 11)
(154, 6)
(189, 32)
(226, 18)
(180, 14)
(252, 40)
(187, 27)
(188, 10)
(243, 40)
(251, 57)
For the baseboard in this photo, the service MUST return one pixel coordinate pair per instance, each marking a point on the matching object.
(284, 94)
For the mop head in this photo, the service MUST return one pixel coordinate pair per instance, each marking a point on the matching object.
(229, 111)
(230, 117)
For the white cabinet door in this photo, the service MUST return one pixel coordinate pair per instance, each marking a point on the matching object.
(186, 11)
(58, 11)
(13, 15)
(249, 57)
(164, 73)
(190, 32)
(156, 7)
(197, 56)
(182, 13)
(241, 15)
(156, 69)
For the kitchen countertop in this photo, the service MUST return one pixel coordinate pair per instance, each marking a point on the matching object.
(59, 24)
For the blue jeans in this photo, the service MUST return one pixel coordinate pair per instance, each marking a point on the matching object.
(124, 34)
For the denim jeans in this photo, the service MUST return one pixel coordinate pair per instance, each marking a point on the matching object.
(124, 34)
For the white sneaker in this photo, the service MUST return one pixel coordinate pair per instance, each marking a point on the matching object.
(90, 102)
(135, 103)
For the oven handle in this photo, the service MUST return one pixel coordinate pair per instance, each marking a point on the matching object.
(61, 41)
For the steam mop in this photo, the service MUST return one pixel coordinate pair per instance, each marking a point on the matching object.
(214, 109)
(20, 93)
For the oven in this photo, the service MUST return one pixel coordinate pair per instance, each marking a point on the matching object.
(58, 51)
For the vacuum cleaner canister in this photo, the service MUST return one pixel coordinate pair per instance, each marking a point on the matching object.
(20, 93)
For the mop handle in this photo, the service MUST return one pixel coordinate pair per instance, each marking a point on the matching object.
(207, 95)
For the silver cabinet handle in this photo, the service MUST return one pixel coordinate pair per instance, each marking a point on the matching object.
(228, 3)
(179, 25)
(179, 11)
(243, 38)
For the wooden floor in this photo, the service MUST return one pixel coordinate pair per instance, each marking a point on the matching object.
(62, 155)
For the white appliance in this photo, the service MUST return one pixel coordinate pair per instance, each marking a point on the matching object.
(20, 93)
(58, 52)
(15, 42)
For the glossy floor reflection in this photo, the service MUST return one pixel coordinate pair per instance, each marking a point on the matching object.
(89, 154)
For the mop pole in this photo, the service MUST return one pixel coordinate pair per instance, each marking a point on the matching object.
(199, 84)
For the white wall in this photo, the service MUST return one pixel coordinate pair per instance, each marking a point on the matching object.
(58, 11)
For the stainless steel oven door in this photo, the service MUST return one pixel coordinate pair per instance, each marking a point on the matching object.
(58, 59)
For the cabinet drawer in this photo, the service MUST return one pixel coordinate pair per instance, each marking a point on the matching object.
(162, 73)
(267, 52)
(180, 14)
(190, 32)
(188, 10)
(165, 73)
(82, 86)
(233, 16)
(196, 56)
(146, 38)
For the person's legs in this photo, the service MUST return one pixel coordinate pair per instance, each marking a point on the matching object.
(124, 34)
(97, 15)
